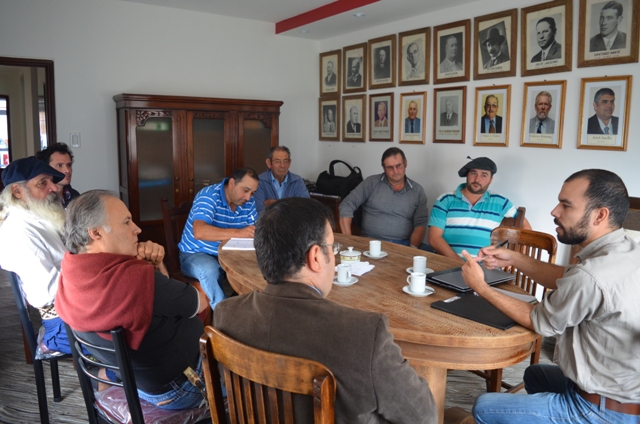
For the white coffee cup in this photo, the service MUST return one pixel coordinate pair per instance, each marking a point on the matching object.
(374, 247)
(417, 282)
(344, 273)
(419, 264)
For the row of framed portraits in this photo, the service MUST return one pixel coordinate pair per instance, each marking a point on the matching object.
(603, 120)
(609, 33)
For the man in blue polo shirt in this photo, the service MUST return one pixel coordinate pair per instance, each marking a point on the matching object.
(465, 218)
(219, 212)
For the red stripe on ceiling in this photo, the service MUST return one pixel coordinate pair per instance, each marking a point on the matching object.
(322, 12)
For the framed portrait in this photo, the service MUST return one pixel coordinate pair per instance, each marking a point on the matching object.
(608, 32)
(382, 58)
(496, 37)
(451, 52)
(413, 110)
(330, 73)
(354, 109)
(414, 51)
(449, 114)
(604, 113)
(354, 59)
(381, 117)
(546, 38)
(329, 119)
(492, 116)
(543, 114)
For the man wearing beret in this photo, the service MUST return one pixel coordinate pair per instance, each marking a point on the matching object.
(31, 228)
(464, 219)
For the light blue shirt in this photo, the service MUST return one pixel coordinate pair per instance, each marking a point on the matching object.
(276, 184)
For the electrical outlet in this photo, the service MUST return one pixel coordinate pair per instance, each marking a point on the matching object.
(74, 139)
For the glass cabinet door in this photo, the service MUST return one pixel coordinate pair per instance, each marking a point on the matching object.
(256, 143)
(208, 135)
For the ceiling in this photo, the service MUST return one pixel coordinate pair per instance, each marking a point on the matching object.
(321, 19)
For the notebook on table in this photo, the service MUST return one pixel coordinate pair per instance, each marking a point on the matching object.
(475, 308)
(452, 278)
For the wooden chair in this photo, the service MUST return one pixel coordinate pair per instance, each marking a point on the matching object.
(174, 220)
(534, 244)
(518, 221)
(632, 222)
(260, 384)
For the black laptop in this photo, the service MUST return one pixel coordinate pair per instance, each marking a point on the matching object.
(452, 278)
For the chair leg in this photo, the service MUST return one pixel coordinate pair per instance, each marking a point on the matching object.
(494, 382)
(42, 392)
(27, 351)
(55, 380)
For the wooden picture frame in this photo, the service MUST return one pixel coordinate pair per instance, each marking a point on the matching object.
(414, 51)
(451, 63)
(546, 50)
(595, 108)
(354, 64)
(495, 45)
(413, 104)
(354, 131)
(543, 114)
(624, 47)
(382, 62)
(329, 74)
(449, 114)
(494, 101)
(381, 117)
(329, 118)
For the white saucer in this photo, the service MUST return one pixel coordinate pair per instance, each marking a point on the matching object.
(426, 271)
(351, 282)
(427, 291)
(368, 255)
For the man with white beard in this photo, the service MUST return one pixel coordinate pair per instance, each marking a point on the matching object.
(31, 228)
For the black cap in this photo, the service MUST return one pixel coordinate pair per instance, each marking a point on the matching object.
(478, 163)
(28, 168)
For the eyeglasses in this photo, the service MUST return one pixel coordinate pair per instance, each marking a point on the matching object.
(336, 247)
(279, 162)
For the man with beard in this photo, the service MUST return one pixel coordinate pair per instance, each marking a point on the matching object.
(592, 306)
(32, 220)
(541, 123)
(464, 219)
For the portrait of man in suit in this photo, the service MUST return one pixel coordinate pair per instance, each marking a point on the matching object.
(603, 121)
(329, 125)
(355, 78)
(490, 122)
(450, 62)
(609, 38)
(448, 118)
(493, 45)
(330, 79)
(542, 123)
(414, 57)
(381, 68)
(381, 115)
(546, 38)
(412, 122)
(353, 126)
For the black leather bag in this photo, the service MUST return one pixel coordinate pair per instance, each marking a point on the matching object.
(329, 183)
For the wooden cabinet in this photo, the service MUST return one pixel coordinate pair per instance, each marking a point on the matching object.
(171, 146)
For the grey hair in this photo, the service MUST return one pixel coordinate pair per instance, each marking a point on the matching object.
(84, 214)
(8, 200)
(278, 149)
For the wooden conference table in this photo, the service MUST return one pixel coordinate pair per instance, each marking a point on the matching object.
(433, 341)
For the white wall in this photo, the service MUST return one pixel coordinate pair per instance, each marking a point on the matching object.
(530, 177)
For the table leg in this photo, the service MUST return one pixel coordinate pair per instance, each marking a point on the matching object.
(437, 379)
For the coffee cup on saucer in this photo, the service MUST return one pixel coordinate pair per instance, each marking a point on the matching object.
(375, 247)
(344, 273)
(417, 282)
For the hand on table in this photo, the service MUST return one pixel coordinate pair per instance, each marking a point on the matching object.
(247, 232)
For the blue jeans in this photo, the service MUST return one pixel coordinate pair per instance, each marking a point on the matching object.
(185, 396)
(551, 399)
(206, 269)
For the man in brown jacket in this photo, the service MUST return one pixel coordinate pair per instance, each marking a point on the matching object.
(295, 251)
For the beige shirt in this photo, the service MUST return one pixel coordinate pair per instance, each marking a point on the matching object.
(596, 310)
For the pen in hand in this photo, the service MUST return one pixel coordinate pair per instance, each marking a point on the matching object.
(504, 243)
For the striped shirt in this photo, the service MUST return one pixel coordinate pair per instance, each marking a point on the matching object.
(210, 206)
(469, 226)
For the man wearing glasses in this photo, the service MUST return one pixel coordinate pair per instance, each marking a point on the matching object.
(278, 182)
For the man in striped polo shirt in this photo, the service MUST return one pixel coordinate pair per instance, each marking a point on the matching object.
(465, 218)
(219, 212)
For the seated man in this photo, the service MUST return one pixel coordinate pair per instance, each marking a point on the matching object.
(296, 253)
(219, 212)
(465, 218)
(60, 157)
(278, 182)
(394, 208)
(111, 280)
(592, 306)
(32, 220)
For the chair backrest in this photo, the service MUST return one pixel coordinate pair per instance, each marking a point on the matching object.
(633, 216)
(261, 383)
(531, 243)
(518, 221)
(174, 220)
(23, 311)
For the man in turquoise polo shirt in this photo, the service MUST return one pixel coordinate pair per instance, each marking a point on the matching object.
(465, 218)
